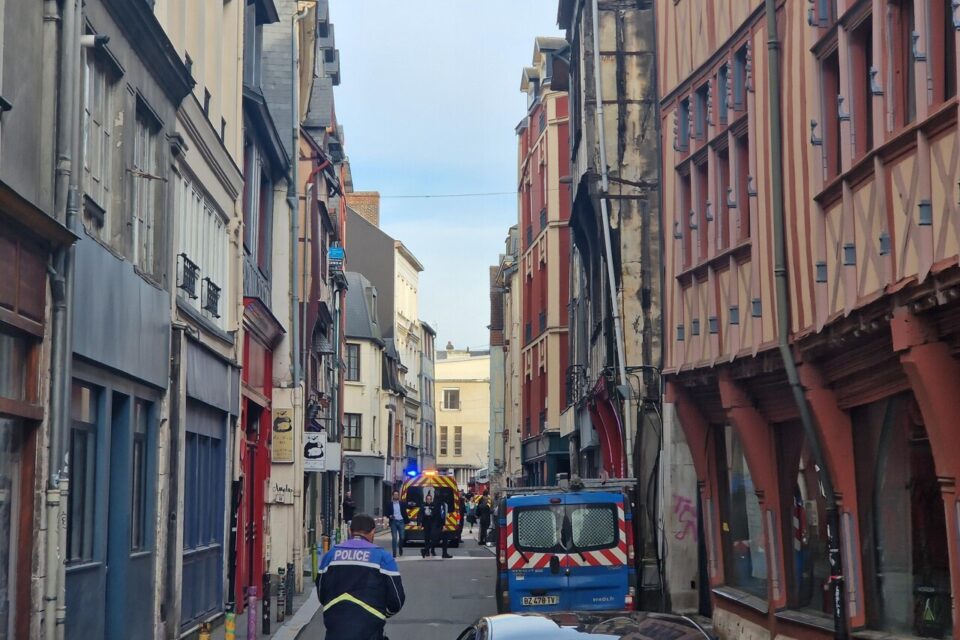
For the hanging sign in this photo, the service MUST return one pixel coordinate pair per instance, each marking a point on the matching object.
(318, 454)
(282, 435)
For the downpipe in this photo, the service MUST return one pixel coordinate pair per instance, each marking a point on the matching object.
(835, 559)
(65, 197)
(615, 310)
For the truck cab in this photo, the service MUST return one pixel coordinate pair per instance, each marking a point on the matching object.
(566, 549)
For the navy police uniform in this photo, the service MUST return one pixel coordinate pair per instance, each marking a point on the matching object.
(359, 588)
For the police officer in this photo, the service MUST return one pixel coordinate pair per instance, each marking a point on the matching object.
(358, 585)
(431, 518)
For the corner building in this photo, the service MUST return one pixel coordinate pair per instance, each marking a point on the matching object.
(869, 157)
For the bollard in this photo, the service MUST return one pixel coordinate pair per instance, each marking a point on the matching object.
(265, 605)
(230, 623)
(251, 612)
(204, 631)
(291, 588)
(281, 594)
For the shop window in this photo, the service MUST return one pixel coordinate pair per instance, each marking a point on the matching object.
(352, 431)
(81, 524)
(10, 510)
(744, 551)
(902, 521)
(830, 131)
(858, 98)
(804, 512)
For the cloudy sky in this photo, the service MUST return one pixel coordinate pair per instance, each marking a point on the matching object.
(429, 98)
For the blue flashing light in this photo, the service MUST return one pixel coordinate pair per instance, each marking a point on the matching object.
(412, 473)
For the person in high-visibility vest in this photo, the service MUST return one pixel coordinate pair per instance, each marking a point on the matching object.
(359, 585)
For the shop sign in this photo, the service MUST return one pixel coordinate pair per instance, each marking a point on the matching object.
(282, 435)
(318, 454)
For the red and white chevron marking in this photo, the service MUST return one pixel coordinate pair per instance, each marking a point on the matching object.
(612, 557)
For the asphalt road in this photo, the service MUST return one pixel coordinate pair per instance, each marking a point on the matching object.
(443, 596)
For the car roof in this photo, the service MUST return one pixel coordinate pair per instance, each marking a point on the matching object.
(592, 625)
(571, 497)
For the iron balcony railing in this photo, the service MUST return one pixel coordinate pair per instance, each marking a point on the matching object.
(189, 274)
(211, 298)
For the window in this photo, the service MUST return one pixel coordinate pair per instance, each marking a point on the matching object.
(81, 525)
(700, 118)
(458, 441)
(684, 217)
(942, 50)
(443, 440)
(859, 99)
(257, 208)
(904, 71)
(353, 362)
(740, 79)
(742, 158)
(202, 246)
(804, 512)
(902, 521)
(744, 551)
(97, 133)
(451, 399)
(138, 483)
(537, 529)
(722, 86)
(683, 125)
(146, 175)
(352, 431)
(10, 509)
(703, 196)
(720, 206)
(830, 132)
(593, 526)
(14, 358)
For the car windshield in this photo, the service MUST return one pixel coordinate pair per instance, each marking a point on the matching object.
(566, 529)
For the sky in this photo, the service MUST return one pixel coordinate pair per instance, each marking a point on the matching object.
(429, 99)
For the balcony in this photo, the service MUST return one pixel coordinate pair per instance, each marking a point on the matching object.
(211, 298)
(189, 274)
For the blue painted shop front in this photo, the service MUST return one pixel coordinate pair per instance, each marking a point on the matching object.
(111, 525)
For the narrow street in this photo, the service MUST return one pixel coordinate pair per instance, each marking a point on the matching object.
(443, 596)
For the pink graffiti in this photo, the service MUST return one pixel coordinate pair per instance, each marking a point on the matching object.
(686, 513)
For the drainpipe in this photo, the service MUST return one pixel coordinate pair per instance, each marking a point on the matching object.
(293, 198)
(605, 189)
(65, 197)
(783, 327)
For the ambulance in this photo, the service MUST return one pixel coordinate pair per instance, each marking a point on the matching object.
(444, 490)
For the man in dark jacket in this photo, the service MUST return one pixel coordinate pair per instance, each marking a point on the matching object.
(349, 508)
(484, 510)
(358, 585)
(432, 518)
(396, 513)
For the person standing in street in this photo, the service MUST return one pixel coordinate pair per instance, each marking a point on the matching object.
(397, 515)
(358, 585)
(471, 509)
(484, 510)
(349, 508)
(431, 518)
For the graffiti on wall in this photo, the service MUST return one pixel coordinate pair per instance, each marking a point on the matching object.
(685, 512)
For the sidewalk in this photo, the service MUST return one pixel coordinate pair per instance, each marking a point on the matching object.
(305, 606)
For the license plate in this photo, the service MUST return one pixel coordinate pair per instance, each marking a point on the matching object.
(535, 601)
